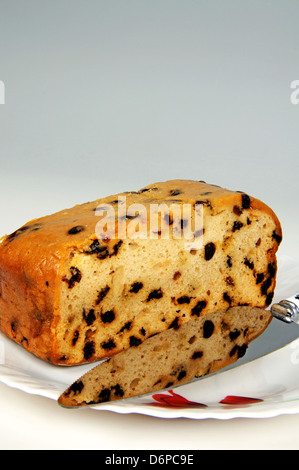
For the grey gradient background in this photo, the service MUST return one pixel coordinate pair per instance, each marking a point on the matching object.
(105, 96)
(109, 96)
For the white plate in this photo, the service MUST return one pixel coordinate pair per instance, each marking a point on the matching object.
(266, 386)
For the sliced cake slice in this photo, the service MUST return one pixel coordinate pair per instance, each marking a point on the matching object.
(199, 347)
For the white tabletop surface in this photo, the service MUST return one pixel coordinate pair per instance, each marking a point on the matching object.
(103, 97)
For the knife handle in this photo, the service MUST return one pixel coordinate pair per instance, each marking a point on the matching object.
(287, 310)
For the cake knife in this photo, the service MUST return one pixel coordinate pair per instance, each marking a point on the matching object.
(287, 310)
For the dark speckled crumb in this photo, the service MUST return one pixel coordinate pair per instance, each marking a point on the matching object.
(155, 294)
(208, 329)
(234, 334)
(102, 294)
(135, 341)
(108, 317)
(75, 277)
(239, 350)
(90, 317)
(136, 287)
(77, 387)
(196, 311)
(89, 350)
(210, 249)
(237, 226)
(246, 201)
(185, 299)
(108, 345)
(75, 230)
(197, 355)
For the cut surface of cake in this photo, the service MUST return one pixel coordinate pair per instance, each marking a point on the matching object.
(91, 281)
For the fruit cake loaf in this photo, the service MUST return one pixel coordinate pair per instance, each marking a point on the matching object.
(74, 289)
(173, 357)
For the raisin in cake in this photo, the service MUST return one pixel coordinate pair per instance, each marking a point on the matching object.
(71, 292)
(173, 357)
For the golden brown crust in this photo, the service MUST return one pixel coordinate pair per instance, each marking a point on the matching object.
(48, 234)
